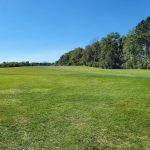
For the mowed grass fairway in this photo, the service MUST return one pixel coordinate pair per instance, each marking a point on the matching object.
(74, 108)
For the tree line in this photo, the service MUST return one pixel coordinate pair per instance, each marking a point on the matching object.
(21, 64)
(114, 51)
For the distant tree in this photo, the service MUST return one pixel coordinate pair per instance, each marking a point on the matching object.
(20, 64)
(88, 56)
(137, 46)
(114, 51)
(96, 50)
(111, 51)
(63, 60)
(106, 53)
(74, 57)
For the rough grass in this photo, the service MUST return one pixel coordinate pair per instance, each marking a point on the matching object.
(74, 108)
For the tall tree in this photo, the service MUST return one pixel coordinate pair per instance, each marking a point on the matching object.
(111, 51)
(137, 46)
(114, 51)
(92, 54)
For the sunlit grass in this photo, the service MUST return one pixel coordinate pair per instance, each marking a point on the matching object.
(74, 108)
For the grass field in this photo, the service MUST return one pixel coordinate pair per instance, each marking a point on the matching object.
(74, 108)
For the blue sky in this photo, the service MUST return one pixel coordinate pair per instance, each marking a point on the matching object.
(42, 30)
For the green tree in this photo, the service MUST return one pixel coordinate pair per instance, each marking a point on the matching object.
(88, 56)
(137, 46)
(111, 51)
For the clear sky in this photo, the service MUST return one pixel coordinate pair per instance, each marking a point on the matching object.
(42, 30)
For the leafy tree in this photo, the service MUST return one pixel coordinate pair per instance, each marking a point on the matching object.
(74, 57)
(20, 64)
(64, 59)
(91, 54)
(114, 51)
(111, 51)
(88, 56)
(137, 46)
(96, 50)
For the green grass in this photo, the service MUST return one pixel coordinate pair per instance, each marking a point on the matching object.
(74, 108)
